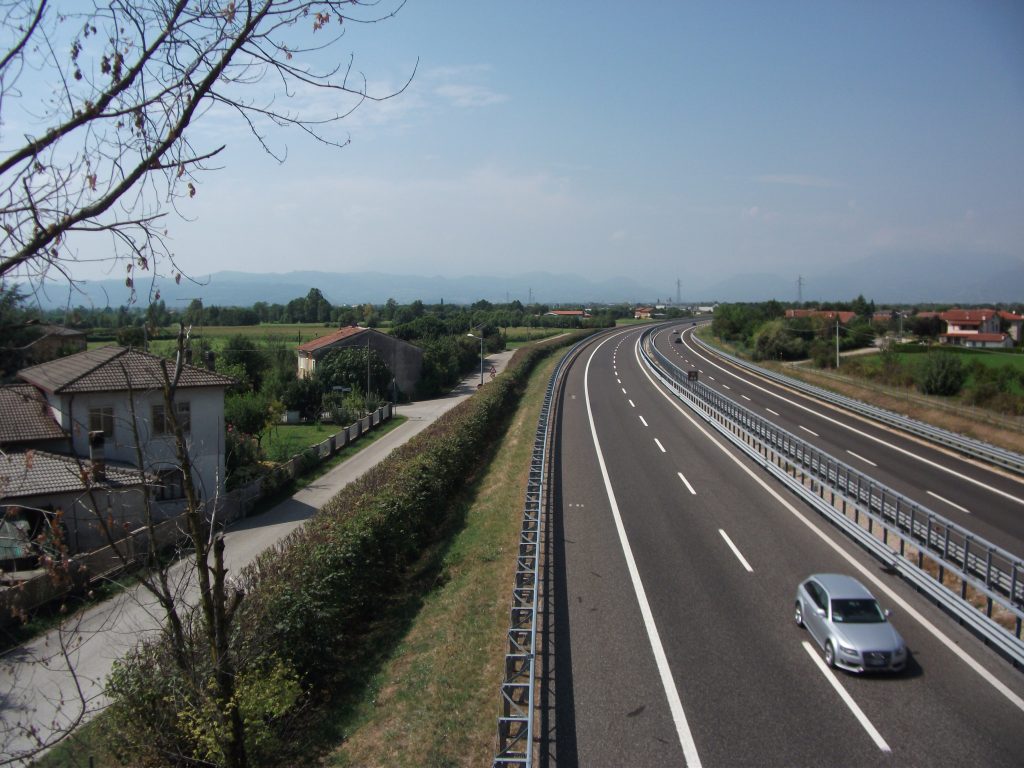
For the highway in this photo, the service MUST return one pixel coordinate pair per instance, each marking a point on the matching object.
(672, 642)
(988, 501)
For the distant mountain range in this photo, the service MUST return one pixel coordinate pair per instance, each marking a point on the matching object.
(883, 278)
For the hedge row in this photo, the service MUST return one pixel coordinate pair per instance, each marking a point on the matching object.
(309, 601)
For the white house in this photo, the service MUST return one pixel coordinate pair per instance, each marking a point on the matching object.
(109, 405)
(973, 328)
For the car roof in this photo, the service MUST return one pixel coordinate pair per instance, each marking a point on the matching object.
(840, 586)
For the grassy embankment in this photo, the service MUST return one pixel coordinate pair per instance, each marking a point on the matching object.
(434, 699)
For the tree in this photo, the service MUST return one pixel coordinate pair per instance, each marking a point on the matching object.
(242, 351)
(348, 367)
(251, 413)
(941, 373)
(108, 95)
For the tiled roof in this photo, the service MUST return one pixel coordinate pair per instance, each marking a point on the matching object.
(961, 316)
(112, 369)
(331, 338)
(1012, 317)
(975, 336)
(39, 473)
(25, 416)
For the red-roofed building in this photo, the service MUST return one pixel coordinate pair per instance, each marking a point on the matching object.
(581, 313)
(973, 328)
(642, 313)
(1013, 323)
(404, 360)
(830, 315)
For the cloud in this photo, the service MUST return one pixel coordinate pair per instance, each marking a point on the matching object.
(469, 95)
(800, 180)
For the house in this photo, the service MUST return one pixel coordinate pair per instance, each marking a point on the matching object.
(642, 313)
(973, 328)
(828, 315)
(580, 313)
(56, 341)
(1013, 323)
(89, 432)
(404, 360)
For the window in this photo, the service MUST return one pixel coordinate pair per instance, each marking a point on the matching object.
(170, 484)
(101, 419)
(161, 425)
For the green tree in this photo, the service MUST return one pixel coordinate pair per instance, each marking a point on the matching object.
(941, 373)
(242, 351)
(347, 367)
(251, 413)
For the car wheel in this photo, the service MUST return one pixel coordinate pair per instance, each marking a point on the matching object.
(798, 615)
(830, 654)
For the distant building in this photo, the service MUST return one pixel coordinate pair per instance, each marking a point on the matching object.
(642, 313)
(404, 360)
(1013, 323)
(56, 341)
(580, 313)
(973, 328)
(829, 315)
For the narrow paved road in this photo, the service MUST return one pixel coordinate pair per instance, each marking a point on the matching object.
(41, 697)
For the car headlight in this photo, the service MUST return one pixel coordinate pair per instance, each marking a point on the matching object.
(848, 651)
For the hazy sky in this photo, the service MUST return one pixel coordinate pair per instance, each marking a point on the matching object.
(659, 140)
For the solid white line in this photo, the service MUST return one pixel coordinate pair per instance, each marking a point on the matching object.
(675, 704)
(867, 573)
(642, 419)
(947, 501)
(808, 431)
(775, 413)
(847, 699)
(856, 431)
(632, 404)
(686, 483)
(658, 442)
(735, 551)
(857, 456)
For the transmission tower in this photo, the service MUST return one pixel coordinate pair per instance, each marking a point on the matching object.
(800, 289)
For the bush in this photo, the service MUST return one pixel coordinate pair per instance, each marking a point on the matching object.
(941, 373)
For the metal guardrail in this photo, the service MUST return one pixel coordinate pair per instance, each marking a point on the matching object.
(899, 531)
(515, 724)
(974, 448)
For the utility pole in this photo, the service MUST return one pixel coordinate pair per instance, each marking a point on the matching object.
(799, 289)
(837, 341)
(679, 295)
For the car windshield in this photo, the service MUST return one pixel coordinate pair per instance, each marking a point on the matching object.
(856, 612)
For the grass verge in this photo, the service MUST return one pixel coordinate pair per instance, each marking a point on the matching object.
(433, 700)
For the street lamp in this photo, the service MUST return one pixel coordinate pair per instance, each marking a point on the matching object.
(474, 336)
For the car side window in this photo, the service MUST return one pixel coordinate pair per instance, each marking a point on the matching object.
(817, 594)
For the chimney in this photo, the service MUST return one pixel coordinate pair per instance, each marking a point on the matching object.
(97, 458)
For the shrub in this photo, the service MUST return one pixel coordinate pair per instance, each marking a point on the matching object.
(941, 373)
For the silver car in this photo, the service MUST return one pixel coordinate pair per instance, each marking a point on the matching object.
(846, 621)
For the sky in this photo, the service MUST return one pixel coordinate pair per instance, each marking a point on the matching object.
(657, 140)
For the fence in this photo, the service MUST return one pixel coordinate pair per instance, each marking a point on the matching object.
(518, 688)
(133, 549)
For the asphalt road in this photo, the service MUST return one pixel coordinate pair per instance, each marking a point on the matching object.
(672, 640)
(50, 685)
(986, 500)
